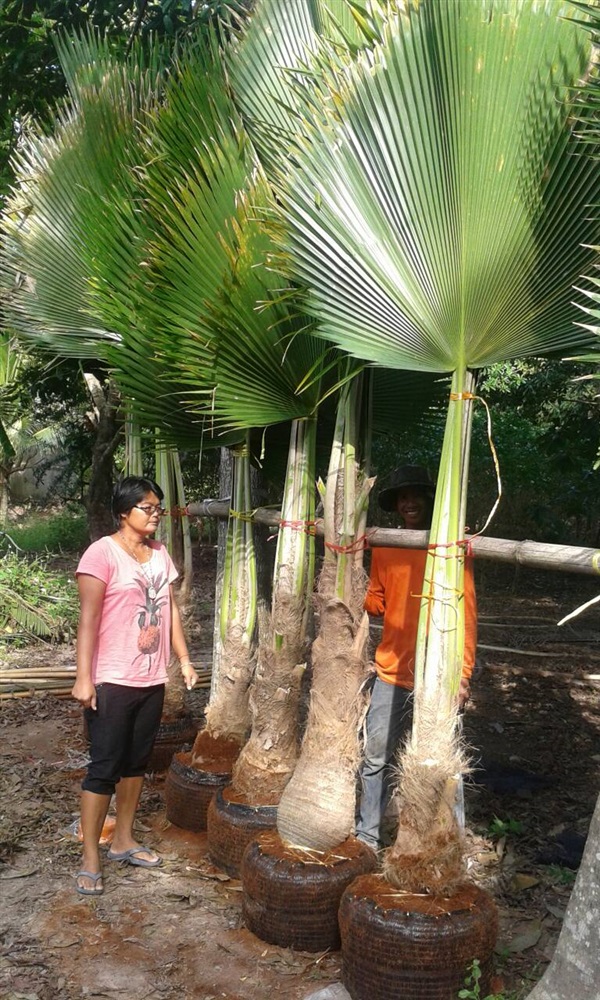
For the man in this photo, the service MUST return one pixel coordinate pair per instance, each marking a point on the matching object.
(395, 589)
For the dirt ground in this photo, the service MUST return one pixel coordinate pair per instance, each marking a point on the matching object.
(177, 932)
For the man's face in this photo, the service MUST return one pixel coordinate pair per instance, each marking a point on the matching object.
(414, 507)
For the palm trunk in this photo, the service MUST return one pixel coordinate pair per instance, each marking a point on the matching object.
(227, 715)
(316, 811)
(268, 758)
(428, 852)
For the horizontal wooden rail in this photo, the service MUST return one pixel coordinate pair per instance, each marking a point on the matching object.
(534, 555)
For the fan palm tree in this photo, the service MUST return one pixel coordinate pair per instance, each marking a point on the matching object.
(269, 66)
(76, 239)
(182, 298)
(437, 217)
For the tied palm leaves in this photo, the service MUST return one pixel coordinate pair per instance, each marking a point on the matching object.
(316, 810)
(438, 217)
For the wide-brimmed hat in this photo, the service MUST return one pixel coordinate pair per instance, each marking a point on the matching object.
(406, 475)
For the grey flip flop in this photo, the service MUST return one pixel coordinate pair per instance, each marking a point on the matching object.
(130, 858)
(97, 890)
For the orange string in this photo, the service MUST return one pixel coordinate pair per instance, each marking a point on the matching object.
(462, 543)
(308, 526)
(358, 545)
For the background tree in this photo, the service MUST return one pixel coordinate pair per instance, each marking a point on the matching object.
(31, 77)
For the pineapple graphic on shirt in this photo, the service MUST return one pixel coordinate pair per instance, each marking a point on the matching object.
(149, 615)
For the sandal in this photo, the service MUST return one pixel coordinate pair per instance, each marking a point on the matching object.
(83, 890)
(130, 857)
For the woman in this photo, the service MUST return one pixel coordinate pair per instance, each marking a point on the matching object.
(129, 621)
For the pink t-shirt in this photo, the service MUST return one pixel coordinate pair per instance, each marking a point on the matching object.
(134, 638)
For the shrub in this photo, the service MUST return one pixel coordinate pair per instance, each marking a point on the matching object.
(35, 602)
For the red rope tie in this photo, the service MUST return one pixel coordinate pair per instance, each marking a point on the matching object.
(177, 512)
(308, 526)
(459, 396)
(358, 545)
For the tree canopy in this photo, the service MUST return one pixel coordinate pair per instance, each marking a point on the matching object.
(31, 78)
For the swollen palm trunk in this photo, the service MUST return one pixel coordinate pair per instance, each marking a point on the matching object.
(268, 758)
(317, 807)
(428, 852)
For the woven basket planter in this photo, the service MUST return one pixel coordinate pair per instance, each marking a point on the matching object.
(188, 792)
(231, 826)
(172, 736)
(291, 897)
(395, 944)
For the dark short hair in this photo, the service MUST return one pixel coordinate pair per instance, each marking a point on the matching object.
(129, 491)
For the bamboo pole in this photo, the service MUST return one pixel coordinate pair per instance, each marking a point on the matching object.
(534, 555)
(28, 690)
(58, 677)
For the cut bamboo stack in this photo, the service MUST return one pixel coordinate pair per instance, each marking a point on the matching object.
(25, 682)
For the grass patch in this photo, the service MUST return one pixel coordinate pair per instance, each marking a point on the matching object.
(56, 533)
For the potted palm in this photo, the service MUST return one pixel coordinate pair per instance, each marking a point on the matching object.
(142, 294)
(437, 217)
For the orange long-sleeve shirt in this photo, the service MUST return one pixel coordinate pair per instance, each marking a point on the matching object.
(395, 589)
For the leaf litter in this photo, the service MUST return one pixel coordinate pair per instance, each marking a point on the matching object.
(177, 931)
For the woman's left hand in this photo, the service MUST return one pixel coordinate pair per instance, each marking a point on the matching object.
(189, 675)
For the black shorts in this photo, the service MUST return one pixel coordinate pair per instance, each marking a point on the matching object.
(122, 731)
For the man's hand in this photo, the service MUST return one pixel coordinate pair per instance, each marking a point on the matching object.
(464, 693)
(84, 692)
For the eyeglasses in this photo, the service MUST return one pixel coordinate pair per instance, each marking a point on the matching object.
(150, 508)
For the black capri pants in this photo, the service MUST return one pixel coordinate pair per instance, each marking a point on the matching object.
(122, 731)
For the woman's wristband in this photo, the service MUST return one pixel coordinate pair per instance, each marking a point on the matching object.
(186, 663)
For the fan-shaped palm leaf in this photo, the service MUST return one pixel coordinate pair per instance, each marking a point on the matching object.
(77, 213)
(271, 59)
(436, 210)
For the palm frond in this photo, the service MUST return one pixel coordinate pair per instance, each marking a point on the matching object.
(272, 58)
(435, 208)
(18, 613)
(222, 318)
